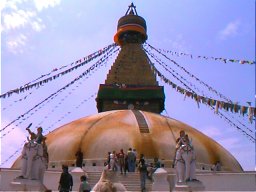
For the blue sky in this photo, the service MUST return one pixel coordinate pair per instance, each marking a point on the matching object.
(38, 36)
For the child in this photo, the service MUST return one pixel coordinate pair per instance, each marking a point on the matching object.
(84, 186)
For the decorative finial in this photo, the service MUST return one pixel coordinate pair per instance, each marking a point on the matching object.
(131, 9)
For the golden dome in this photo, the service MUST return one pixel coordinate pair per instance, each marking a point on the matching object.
(119, 129)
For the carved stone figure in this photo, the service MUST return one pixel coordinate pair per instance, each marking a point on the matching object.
(180, 167)
(185, 163)
(34, 163)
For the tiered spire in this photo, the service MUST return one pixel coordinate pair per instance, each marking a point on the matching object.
(131, 82)
(131, 28)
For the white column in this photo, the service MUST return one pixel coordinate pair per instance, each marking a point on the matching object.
(160, 180)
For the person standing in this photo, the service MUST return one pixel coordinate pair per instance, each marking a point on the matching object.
(79, 158)
(66, 180)
(121, 160)
(108, 160)
(126, 169)
(141, 157)
(113, 161)
(135, 154)
(216, 166)
(156, 164)
(143, 174)
(131, 160)
(84, 186)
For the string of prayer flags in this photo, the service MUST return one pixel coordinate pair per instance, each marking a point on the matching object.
(94, 66)
(191, 75)
(13, 155)
(231, 107)
(79, 63)
(206, 58)
(228, 105)
(212, 104)
(51, 126)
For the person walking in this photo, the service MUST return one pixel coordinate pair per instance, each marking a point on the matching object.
(66, 180)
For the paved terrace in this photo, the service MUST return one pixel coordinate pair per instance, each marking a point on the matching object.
(212, 181)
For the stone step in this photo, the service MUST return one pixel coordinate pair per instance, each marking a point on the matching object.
(143, 126)
(131, 181)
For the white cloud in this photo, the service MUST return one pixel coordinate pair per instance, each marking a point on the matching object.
(230, 30)
(43, 4)
(8, 4)
(19, 15)
(37, 25)
(2, 4)
(17, 19)
(16, 43)
(11, 5)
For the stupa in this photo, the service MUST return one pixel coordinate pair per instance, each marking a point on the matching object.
(130, 103)
(129, 106)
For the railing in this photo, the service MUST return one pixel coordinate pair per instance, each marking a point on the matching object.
(72, 163)
(102, 162)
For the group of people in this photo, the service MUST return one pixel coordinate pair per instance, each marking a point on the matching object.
(125, 162)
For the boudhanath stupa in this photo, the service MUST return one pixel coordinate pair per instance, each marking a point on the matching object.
(129, 106)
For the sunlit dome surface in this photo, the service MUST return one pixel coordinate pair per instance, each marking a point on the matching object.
(113, 130)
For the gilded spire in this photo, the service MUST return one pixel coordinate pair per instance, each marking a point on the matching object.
(131, 80)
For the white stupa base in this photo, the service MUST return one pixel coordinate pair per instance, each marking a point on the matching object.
(27, 185)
